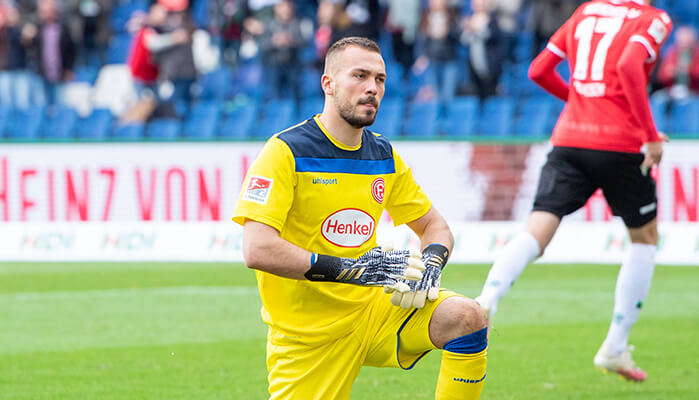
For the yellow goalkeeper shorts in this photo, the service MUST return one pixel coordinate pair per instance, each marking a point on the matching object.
(385, 336)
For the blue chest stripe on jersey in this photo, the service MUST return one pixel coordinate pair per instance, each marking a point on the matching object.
(345, 165)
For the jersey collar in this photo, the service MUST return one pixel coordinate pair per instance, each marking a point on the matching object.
(639, 2)
(332, 139)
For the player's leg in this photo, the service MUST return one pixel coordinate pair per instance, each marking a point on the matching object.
(631, 196)
(515, 256)
(563, 188)
(297, 370)
(458, 327)
(452, 322)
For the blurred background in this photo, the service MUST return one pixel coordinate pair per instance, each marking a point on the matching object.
(134, 110)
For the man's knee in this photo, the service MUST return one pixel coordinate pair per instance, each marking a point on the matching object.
(455, 317)
(646, 234)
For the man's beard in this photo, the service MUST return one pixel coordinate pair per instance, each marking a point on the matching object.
(356, 120)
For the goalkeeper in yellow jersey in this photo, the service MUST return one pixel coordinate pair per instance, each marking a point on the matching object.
(332, 299)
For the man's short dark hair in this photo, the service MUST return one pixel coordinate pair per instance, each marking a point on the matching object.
(342, 44)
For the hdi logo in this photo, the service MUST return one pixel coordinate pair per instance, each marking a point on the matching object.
(51, 241)
(129, 241)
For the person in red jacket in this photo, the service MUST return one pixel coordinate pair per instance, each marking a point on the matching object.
(679, 69)
(611, 46)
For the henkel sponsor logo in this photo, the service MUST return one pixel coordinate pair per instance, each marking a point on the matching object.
(258, 189)
(349, 227)
(377, 189)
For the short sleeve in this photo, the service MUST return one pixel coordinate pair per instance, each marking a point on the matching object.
(268, 189)
(652, 34)
(406, 200)
(558, 44)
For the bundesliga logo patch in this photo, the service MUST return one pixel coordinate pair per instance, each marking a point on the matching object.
(258, 189)
(377, 189)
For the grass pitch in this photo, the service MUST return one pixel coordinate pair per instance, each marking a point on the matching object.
(193, 331)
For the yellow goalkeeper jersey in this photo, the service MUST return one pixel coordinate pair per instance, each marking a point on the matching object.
(327, 198)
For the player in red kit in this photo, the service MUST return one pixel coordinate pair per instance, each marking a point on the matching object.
(611, 45)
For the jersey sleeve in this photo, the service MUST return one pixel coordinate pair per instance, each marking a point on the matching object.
(406, 201)
(268, 189)
(652, 33)
(558, 43)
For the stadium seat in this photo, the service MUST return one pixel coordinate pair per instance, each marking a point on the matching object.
(684, 117)
(95, 126)
(59, 123)
(496, 117)
(86, 74)
(5, 115)
(217, 84)
(658, 107)
(26, 124)
(129, 132)
(237, 123)
(461, 117)
(277, 115)
(388, 120)
(310, 107)
(202, 121)
(118, 49)
(422, 119)
(533, 118)
(163, 129)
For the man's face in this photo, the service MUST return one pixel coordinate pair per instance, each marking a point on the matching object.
(359, 78)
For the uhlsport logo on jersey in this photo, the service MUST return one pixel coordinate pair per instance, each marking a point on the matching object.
(348, 227)
(258, 189)
(377, 189)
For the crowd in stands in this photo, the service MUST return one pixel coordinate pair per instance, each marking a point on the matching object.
(207, 69)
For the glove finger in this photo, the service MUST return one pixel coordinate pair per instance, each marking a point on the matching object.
(419, 300)
(388, 289)
(388, 246)
(396, 298)
(407, 301)
(412, 274)
(433, 293)
(416, 263)
(401, 287)
(415, 254)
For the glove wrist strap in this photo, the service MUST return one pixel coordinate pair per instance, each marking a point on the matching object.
(324, 268)
(438, 255)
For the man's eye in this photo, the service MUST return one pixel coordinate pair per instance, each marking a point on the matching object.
(360, 76)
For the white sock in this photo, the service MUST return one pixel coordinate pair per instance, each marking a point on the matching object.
(508, 265)
(631, 290)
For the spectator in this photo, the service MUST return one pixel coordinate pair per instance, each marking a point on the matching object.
(484, 38)
(174, 56)
(89, 22)
(325, 19)
(506, 14)
(148, 40)
(359, 18)
(402, 23)
(679, 68)
(280, 44)
(227, 18)
(53, 49)
(440, 38)
(546, 17)
(14, 77)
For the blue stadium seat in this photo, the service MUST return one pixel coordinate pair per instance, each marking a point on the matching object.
(26, 124)
(129, 132)
(163, 129)
(86, 74)
(118, 49)
(684, 117)
(310, 83)
(496, 117)
(461, 117)
(123, 11)
(533, 118)
(395, 87)
(202, 121)
(422, 119)
(217, 84)
(95, 126)
(658, 107)
(59, 123)
(310, 107)
(5, 115)
(237, 123)
(389, 118)
(277, 115)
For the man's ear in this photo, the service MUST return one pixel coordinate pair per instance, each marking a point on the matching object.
(328, 84)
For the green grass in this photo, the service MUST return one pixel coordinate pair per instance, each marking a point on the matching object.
(193, 331)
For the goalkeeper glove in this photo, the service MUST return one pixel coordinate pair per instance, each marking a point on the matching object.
(413, 294)
(374, 268)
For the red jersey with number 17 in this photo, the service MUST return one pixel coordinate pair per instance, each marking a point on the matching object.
(597, 114)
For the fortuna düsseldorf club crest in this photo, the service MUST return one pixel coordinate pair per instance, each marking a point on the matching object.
(377, 188)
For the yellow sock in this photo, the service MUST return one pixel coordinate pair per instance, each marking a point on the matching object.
(462, 374)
